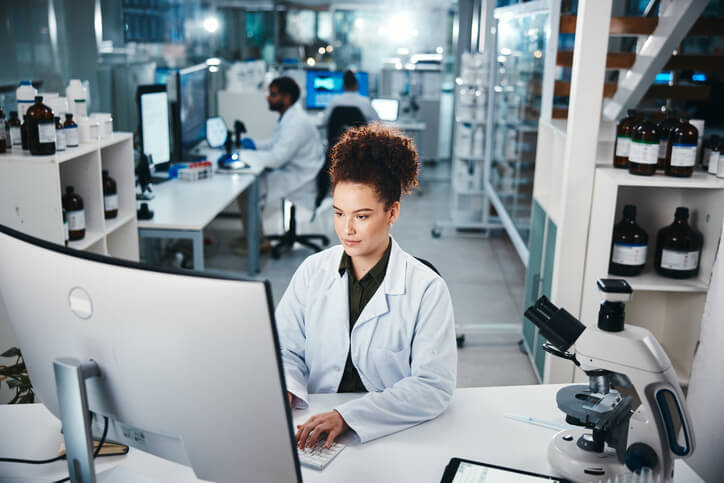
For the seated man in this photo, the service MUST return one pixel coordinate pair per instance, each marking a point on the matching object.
(293, 156)
(351, 98)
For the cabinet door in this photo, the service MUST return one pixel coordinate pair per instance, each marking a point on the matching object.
(548, 261)
(536, 244)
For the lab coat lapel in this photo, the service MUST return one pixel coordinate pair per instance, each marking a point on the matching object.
(393, 284)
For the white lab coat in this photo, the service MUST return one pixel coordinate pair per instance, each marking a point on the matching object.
(403, 343)
(294, 154)
(351, 99)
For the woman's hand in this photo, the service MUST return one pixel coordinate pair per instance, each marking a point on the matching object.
(331, 423)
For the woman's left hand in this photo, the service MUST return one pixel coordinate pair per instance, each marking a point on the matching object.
(331, 423)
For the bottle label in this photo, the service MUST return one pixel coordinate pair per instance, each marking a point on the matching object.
(76, 220)
(629, 254)
(676, 260)
(663, 145)
(71, 136)
(65, 230)
(623, 144)
(110, 202)
(713, 162)
(46, 132)
(720, 167)
(59, 140)
(643, 152)
(2, 128)
(16, 137)
(683, 155)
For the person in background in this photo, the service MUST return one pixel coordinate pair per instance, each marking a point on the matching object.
(365, 316)
(291, 158)
(351, 98)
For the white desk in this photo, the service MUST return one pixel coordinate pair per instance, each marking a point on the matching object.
(182, 209)
(473, 427)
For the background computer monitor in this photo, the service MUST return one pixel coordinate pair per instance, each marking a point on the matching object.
(190, 363)
(153, 123)
(387, 109)
(322, 86)
(191, 107)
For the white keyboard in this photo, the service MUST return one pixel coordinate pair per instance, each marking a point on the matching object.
(318, 457)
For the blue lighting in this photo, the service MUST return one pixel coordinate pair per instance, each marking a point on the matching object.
(699, 77)
(662, 78)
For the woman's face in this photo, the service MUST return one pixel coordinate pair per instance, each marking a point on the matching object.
(360, 219)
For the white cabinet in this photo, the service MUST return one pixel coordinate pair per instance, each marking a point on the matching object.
(31, 188)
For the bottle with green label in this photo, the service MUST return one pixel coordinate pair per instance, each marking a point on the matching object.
(644, 152)
(629, 245)
(623, 140)
(678, 248)
(73, 206)
(681, 156)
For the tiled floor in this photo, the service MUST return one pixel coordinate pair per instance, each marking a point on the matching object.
(485, 277)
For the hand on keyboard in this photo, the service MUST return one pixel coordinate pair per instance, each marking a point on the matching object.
(317, 456)
(332, 424)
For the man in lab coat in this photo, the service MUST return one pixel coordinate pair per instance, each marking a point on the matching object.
(351, 98)
(292, 157)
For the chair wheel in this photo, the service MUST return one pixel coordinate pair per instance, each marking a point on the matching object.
(460, 341)
(436, 232)
(276, 254)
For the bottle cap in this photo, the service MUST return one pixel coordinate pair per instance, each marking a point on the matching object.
(629, 211)
(38, 99)
(68, 116)
(684, 120)
(69, 189)
(682, 212)
(57, 118)
(631, 112)
(25, 83)
(105, 173)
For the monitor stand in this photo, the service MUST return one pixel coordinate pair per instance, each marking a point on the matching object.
(70, 377)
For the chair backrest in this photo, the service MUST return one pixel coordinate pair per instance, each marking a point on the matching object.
(428, 264)
(340, 119)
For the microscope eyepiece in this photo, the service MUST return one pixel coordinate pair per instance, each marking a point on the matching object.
(559, 327)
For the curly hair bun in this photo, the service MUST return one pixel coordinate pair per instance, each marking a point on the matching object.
(379, 156)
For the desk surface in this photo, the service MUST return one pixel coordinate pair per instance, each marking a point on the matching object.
(473, 427)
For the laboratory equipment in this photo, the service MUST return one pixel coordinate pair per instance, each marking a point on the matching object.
(632, 403)
(317, 456)
(387, 109)
(190, 111)
(25, 95)
(77, 98)
(323, 86)
(460, 470)
(216, 132)
(132, 351)
(153, 119)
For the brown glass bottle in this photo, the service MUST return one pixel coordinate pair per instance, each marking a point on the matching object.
(24, 134)
(629, 245)
(71, 131)
(41, 128)
(14, 129)
(678, 248)
(644, 152)
(110, 196)
(623, 140)
(666, 125)
(73, 206)
(4, 144)
(681, 154)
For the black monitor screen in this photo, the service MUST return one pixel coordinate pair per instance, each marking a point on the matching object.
(192, 99)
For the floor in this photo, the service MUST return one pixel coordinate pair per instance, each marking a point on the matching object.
(484, 275)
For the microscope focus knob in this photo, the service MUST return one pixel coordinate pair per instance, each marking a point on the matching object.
(640, 456)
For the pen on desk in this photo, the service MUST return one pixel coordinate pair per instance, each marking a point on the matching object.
(537, 422)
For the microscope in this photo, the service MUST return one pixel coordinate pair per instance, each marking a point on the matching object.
(632, 415)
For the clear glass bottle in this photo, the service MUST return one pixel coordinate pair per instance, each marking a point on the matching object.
(14, 129)
(678, 248)
(714, 155)
(71, 131)
(59, 135)
(73, 205)
(110, 196)
(666, 125)
(681, 155)
(41, 128)
(644, 152)
(628, 246)
(623, 140)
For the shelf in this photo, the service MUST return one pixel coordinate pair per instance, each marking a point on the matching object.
(115, 138)
(117, 222)
(90, 238)
(57, 158)
(700, 179)
(650, 281)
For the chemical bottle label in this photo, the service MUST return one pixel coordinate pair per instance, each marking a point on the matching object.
(683, 155)
(623, 144)
(676, 260)
(59, 140)
(71, 136)
(2, 129)
(663, 145)
(76, 220)
(65, 230)
(46, 132)
(714, 162)
(16, 136)
(110, 202)
(644, 153)
(629, 254)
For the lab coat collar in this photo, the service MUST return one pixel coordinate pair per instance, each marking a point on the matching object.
(289, 113)
(394, 282)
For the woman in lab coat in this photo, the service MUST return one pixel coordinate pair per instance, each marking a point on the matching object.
(365, 316)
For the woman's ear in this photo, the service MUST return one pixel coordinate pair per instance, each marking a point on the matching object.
(394, 212)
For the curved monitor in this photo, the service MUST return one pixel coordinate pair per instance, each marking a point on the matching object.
(189, 363)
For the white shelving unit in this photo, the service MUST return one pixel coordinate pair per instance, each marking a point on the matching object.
(31, 188)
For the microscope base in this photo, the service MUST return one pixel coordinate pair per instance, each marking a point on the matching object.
(571, 462)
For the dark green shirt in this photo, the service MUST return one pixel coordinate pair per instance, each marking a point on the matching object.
(359, 293)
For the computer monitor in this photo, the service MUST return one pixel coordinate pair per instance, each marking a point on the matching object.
(153, 121)
(387, 109)
(191, 107)
(189, 363)
(323, 86)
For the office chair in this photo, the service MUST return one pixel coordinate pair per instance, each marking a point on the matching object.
(340, 119)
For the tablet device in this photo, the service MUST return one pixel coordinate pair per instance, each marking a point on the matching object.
(466, 471)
